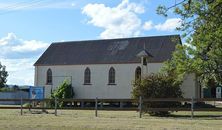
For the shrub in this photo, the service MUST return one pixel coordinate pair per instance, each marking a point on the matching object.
(157, 86)
(27, 105)
(64, 91)
(6, 89)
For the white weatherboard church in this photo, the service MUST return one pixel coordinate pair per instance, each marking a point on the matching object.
(107, 68)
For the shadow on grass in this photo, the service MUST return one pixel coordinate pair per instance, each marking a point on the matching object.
(187, 115)
(37, 112)
(198, 116)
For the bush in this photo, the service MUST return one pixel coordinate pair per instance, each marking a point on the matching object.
(64, 91)
(6, 89)
(157, 86)
(27, 105)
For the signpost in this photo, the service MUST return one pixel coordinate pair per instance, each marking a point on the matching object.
(36, 92)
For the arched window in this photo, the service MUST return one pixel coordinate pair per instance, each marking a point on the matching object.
(111, 75)
(87, 76)
(144, 61)
(138, 73)
(49, 76)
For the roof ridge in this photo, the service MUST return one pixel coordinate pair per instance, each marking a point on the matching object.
(77, 41)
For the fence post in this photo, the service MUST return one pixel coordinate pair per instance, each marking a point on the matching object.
(55, 106)
(140, 107)
(121, 104)
(82, 104)
(192, 105)
(96, 106)
(30, 103)
(21, 106)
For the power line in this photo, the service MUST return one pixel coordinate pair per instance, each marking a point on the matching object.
(13, 5)
(21, 5)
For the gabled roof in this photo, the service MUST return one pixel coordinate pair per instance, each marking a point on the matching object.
(109, 51)
(144, 53)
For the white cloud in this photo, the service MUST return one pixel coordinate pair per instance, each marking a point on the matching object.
(31, 45)
(73, 4)
(21, 71)
(169, 24)
(123, 20)
(126, 5)
(148, 25)
(119, 21)
(14, 47)
(19, 56)
(9, 37)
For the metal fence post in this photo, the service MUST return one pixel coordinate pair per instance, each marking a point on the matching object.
(192, 105)
(55, 106)
(21, 106)
(140, 107)
(96, 107)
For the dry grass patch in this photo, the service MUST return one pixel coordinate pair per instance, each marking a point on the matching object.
(106, 120)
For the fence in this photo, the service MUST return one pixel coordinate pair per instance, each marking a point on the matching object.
(99, 104)
(13, 95)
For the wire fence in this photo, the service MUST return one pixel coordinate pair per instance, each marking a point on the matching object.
(114, 104)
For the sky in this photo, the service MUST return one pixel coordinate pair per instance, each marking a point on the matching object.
(28, 27)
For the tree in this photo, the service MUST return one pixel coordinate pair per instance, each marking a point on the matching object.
(64, 91)
(202, 31)
(157, 86)
(3, 76)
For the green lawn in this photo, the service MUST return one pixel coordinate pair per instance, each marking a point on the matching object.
(107, 120)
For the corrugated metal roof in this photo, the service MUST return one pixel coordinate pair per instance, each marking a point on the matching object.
(109, 51)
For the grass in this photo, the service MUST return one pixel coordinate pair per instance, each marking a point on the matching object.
(107, 120)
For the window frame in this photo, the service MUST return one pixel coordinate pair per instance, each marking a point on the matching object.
(112, 76)
(87, 76)
(138, 71)
(49, 77)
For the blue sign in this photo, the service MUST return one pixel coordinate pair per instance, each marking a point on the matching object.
(36, 92)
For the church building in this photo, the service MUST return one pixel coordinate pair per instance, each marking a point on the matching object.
(107, 68)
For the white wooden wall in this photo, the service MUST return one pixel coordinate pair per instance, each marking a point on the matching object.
(125, 74)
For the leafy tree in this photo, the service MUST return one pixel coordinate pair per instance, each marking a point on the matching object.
(64, 91)
(157, 86)
(202, 31)
(3, 75)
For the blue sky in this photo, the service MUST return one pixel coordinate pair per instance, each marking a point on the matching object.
(28, 27)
